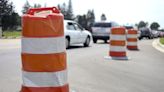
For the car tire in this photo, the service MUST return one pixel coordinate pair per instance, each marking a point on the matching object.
(140, 38)
(94, 40)
(87, 42)
(105, 41)
(67, 43)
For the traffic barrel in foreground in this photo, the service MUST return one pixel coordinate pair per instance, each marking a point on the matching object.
(132, 39)
(43, 55)
(117, 44)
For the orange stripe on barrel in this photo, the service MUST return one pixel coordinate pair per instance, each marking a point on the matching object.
(132, 47)
(52, 26)
(132, 31)
(132, 39)
(44, 62)
(117, 43)
(117, 54)
(64, 88)
(118, 31)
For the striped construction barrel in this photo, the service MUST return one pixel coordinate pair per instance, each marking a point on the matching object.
(118, 43)
(132, 39)
(43, 55)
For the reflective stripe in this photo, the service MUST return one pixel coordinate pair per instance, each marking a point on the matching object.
(132, 47)
(117, 37)
(44, 62)
(64, 88)
(132, 40)
(51, 26)
(132, 36)
(132, 31)
(117, 54)
(132, 43)
(118, 30)
(118, 48)
(43, 45)
(44, 79)
(117, 43)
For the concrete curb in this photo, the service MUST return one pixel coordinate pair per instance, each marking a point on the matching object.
(157, 45)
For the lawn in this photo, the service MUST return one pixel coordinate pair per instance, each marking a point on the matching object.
(12, 33)
(162, 40)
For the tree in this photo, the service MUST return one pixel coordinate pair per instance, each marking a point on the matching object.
(62, 9)
(154, 26)
(66, 11)
(10, 21)
(37, 6)
(26, 7)
(8, 17)
(69, 12)
(82, 20)
(6, 8)
(142, 24)
(103, 17)
(90, 19)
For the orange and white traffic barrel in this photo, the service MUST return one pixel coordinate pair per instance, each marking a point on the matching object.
(132, 39)
(117, 44)
(43, 55)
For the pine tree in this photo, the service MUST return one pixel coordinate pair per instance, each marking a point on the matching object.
(37, 6)
(26, 7)
(69, 12)
(90, 19)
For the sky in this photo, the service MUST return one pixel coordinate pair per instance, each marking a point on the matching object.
(120, 11)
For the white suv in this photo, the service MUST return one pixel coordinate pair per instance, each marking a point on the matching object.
(101, 30)
(75, 34)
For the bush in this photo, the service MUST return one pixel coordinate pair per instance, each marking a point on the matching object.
(162, 40)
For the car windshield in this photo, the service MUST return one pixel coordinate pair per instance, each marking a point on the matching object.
(102, 25)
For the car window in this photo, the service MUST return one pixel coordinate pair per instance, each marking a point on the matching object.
(70, 26)
(77, 27)
(102, 25)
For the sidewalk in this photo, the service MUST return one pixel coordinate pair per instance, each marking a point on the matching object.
(156, 44)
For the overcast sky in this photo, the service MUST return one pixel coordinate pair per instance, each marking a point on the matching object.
(121, 11)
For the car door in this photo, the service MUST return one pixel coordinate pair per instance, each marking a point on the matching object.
(81, 33)
(72, 32)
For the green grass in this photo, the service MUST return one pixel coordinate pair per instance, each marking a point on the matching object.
(12, 33)
(162, 40)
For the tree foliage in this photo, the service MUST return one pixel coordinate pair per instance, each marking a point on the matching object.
(9, 19)
(142, 24)
(26, 7)
(6, 8)
(67, 11)
(86, 20)
(103, 17)
(37, 6)
(154, 26)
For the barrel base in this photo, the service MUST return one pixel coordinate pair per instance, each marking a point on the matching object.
(116, 58)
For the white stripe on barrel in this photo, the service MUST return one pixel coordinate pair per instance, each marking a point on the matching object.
(43, 45)
(118, 37)
(44, 79)
(117, 48)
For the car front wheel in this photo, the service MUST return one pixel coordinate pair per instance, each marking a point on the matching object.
(87, 42)
(67, 43)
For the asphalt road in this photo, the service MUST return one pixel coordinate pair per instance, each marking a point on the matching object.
(88, 71)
